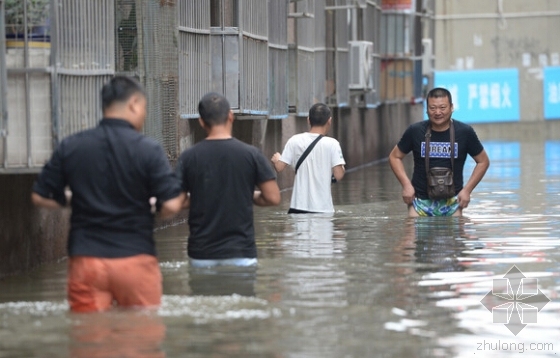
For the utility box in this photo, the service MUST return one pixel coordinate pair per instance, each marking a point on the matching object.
(361, 66)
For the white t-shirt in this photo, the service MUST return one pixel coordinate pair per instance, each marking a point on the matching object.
(312, 184)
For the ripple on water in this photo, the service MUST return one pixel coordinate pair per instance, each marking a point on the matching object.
(205, 309)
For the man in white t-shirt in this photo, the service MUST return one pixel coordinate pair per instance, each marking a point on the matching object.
(312, 184)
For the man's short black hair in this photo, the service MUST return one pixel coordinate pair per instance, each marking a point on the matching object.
(439, 92)
(213, 109)
(319, 114)
(119, 89)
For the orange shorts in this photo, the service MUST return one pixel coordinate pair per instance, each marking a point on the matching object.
(97, 284)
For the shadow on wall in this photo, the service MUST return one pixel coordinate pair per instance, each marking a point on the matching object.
(28, 236)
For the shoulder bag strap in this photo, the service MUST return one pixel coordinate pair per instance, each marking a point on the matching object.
(452, 143)
(427, 148)
(307, 151)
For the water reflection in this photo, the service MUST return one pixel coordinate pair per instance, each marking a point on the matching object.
(313, 235)
(222, 281)
(117, 334)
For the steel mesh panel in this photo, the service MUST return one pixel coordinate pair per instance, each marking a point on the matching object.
(85, 61)
(254, 17)
(127, 36)
(342, 62)
(86, 39)
(254, 26)
(320, 69)
(194, 55)
(278, 83)
(277, 22)
(305, 78)
(160, 72)
(278, 59)
(255, 69)
(80, 105)
(319, 24)
(194, 71)
(194, 14)
(305, 28)
(372, 32)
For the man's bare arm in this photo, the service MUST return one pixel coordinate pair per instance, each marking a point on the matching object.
(277, 163)
(43, 202)
(171, 207)
(338, 172)
(396, 162)
(482, 165)
(268, 194)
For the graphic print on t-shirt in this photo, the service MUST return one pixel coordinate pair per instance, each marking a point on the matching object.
(439, 150)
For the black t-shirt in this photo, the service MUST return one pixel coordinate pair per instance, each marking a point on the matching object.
(220, 176)
(413, 139)
(112, 170)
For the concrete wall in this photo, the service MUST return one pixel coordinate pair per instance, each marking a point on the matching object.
(28, 236)
(479, 34)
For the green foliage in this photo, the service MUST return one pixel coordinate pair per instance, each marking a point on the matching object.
(37, 14)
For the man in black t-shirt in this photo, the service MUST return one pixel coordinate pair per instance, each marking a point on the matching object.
(220, 174)
(112, 171)
(414, 193)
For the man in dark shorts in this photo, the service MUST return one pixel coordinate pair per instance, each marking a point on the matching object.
(112, 172)
(415, 192)
(220, 174)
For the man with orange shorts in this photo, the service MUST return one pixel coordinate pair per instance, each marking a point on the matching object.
(112, 171)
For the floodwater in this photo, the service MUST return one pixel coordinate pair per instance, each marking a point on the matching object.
(364, 282)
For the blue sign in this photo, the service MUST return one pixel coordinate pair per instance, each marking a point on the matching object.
(552, 157)
(482, 96)
(551, 92)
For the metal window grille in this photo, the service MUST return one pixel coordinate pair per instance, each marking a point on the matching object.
(159, 69)
(372, 32)
(26, 134)
(337, 52)
(253, 89)
(194, 54)
(85, 59)
(320, 54)
(278, 59)
(302, 60)
(401, 75)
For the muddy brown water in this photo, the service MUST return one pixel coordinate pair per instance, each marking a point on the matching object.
(364, 282)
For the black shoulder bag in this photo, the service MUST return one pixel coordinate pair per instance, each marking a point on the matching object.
(440, 179)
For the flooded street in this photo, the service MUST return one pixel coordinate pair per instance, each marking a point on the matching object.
(364, 282)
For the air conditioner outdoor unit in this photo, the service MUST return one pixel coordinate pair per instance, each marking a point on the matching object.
(361, 65)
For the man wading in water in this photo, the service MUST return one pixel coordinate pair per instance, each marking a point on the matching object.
(414, 139)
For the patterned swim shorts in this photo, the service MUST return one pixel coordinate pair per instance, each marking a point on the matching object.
(429, 207)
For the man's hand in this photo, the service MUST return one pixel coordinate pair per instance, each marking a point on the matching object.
(277, 163)
(464, 198)
(275, 157)
(408, 193)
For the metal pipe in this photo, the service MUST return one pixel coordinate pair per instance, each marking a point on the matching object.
(513, 15)
(55, 110)
(3, 86)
